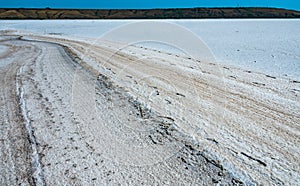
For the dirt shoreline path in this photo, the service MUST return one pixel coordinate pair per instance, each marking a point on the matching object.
(137, 116)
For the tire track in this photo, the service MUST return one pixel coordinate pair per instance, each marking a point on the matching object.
(242, 127)
(15, 147)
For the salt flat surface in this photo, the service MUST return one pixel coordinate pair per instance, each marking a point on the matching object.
(182, 112)
(246, 120)
(267, 46)
(3, 49)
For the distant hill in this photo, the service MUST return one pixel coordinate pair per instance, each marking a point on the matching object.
(184, 13)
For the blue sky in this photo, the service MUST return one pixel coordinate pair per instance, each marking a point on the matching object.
(123, 4)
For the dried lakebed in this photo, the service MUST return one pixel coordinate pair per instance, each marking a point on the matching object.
(140, 116)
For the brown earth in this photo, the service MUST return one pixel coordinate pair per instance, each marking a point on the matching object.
(195, 13)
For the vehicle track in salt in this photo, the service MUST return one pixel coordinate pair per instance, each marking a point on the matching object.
(248, 121)
(68, 150)
(15, 165)
(93, 106)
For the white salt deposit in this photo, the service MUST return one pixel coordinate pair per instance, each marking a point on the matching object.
(270, 46)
